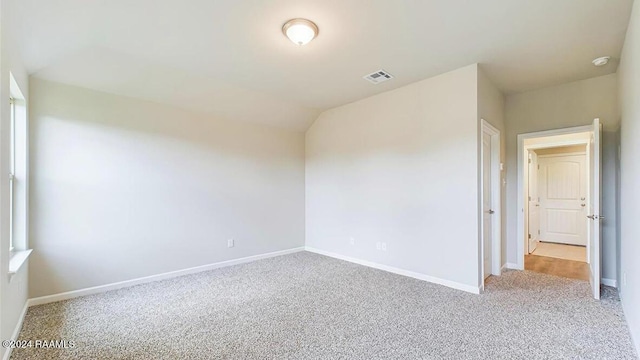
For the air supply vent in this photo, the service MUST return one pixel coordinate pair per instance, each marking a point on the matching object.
(378, 77)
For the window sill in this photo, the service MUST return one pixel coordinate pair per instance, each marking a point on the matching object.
(17, 259)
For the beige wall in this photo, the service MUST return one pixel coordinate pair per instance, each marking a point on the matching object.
(400, 167)
(124, 188)
(629, 78)
(567, 105)
(13, 293)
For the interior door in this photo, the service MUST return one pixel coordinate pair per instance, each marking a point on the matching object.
(534, 204)
(562, 184)
(594, 207)
(487, 230)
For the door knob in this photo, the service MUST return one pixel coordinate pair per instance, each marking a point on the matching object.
(592, 217)
(601, 217)
(491, 211)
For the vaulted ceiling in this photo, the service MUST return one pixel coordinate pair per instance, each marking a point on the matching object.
(230, 58)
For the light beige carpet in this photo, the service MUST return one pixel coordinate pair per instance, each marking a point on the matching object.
(308, 306)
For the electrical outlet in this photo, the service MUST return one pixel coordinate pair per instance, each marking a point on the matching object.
(378, 245)
(352, 241)
(230, 243)
(383, 246)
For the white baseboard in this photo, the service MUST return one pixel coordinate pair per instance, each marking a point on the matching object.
(168, 275)
(512, 266)
(16, 331)
(415, 275)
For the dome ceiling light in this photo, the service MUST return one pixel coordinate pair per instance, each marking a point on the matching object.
(601, 61)
(300, 31)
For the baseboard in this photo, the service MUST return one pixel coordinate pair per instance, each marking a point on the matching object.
(168, 275)
(391, 269)
(16, 331)
(610, 282)
(512, 266)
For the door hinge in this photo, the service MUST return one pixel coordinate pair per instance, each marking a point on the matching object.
(529, 198)
(538, 167)
(529, 161)
(529, 236)
(538, 232)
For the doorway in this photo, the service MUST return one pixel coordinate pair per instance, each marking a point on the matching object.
(490, 202)
(557, 199)
(557, 214)
(559, 202)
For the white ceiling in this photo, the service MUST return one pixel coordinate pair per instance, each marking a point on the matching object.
(229, 57)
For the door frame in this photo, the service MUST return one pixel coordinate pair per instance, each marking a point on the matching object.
(496, 201)
(523, 172)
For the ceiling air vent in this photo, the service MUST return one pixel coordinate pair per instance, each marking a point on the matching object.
(378, 77)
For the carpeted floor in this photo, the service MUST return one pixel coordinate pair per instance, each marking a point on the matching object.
(307, 306)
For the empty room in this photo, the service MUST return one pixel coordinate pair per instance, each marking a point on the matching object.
(312, 179)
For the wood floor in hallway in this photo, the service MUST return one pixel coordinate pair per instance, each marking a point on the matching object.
(559, 267)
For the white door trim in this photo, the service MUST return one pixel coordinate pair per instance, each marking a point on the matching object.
(496, 203)
(522, 153)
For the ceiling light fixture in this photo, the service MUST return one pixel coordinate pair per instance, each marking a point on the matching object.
(300, 31)
(601, 61)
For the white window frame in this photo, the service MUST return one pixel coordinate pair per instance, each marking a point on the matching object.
(12, 174)
(18, 180)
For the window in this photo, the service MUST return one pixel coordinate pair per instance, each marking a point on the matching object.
(12, 172)
(17, 128)
(17, 229)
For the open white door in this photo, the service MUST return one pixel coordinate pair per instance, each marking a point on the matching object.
(487, 211)
(534, 203)
(594, 208)
(490, 200)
